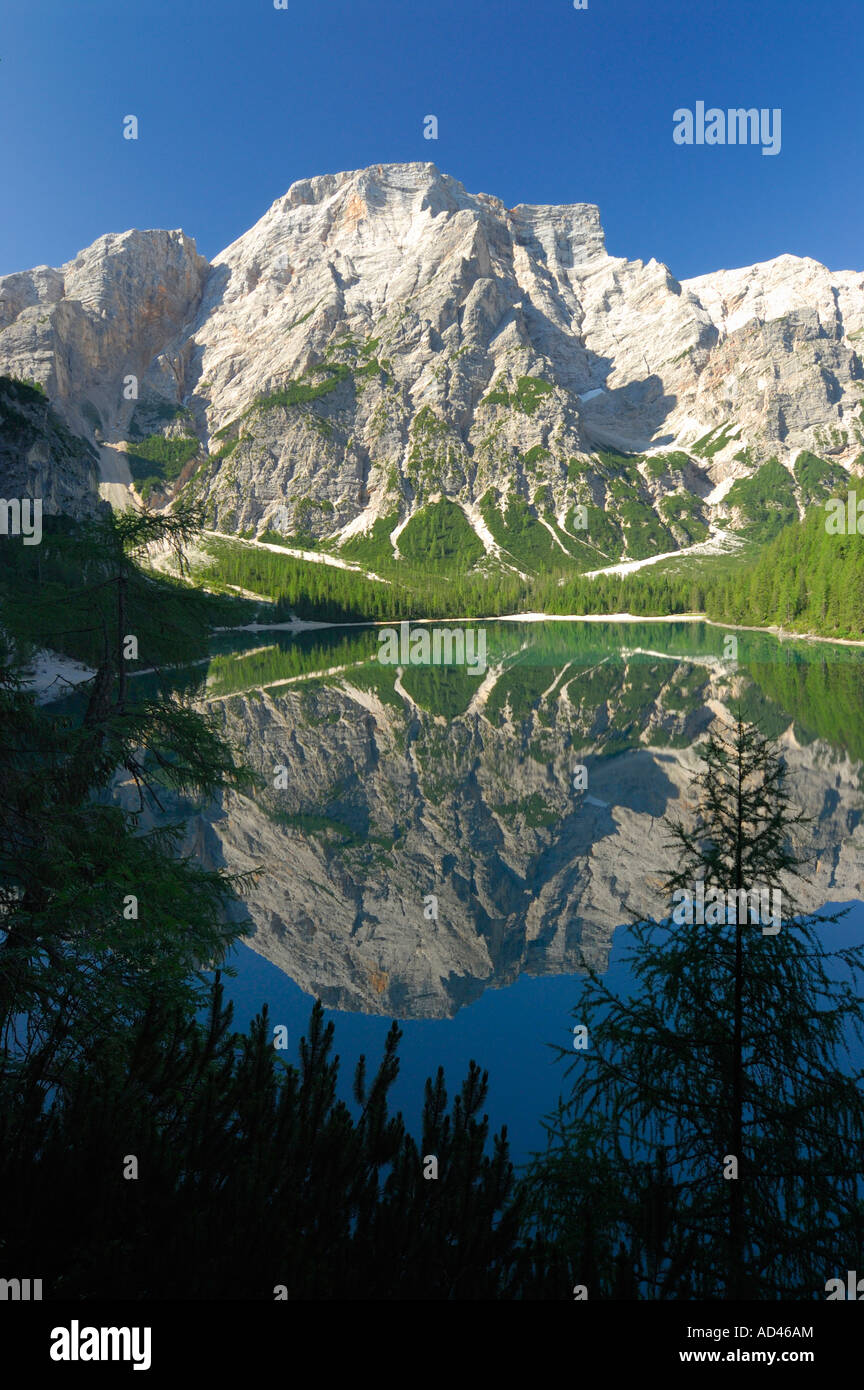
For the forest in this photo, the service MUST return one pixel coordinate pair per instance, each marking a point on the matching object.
(804, 580)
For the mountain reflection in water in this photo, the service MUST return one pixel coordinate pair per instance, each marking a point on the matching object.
(422, 832)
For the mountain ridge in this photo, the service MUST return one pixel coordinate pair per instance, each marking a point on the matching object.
(382, 342)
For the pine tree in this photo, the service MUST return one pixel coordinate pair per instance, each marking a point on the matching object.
(729, 1055)
(93, 905)
(254, 1175)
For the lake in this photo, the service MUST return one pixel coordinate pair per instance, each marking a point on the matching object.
(447, 847)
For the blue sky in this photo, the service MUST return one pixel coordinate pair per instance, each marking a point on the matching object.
(536, 102)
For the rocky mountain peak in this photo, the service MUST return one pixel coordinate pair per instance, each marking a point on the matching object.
(382, 341)
(102, 316)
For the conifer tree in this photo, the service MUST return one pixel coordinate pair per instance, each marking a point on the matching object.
(713, 1134)
(253, 1178)
(95, 901)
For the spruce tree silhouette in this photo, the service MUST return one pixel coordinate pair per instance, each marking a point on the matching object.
(730, 1053)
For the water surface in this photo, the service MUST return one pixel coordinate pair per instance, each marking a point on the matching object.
(449, 848)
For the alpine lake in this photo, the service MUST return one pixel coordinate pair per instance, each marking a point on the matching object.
(448, 846)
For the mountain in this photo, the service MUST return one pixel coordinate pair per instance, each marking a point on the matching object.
(387, 366)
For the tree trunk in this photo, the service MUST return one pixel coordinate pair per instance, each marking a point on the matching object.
(735, 1286)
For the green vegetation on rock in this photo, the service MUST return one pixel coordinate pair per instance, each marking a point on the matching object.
(817, 478)
(660, 465)
(159, 459)
(520, 533)
(441, 537)
(715, 440)
(683, 513)
(766, 501)
(372, 548)
(525, 397)
(297, 392)
(644, 532)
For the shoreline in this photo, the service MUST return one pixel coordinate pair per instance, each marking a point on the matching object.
(782, 634)
(48, 668)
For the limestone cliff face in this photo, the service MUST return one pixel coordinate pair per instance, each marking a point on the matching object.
(484, 350)
(383, 338)
(41, 458)
(82, 329)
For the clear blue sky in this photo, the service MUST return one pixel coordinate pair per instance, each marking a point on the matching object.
(536, 102)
